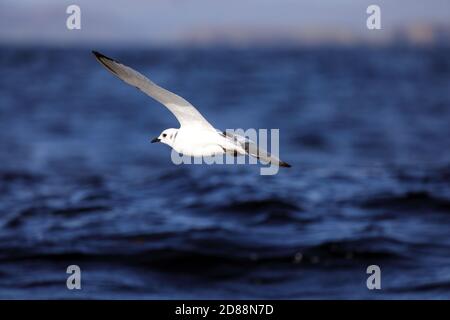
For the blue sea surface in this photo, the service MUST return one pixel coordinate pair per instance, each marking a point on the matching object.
(366, 130)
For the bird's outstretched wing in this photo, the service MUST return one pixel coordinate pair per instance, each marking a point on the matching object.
(186, 113)
(252, 149)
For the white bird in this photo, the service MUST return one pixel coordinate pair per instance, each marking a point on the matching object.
(196, 136)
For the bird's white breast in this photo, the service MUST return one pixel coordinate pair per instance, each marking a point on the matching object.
(197, 143)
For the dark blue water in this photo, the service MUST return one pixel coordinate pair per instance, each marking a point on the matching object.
(366, 131)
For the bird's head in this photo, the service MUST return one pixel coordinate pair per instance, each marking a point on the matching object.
(167, 136)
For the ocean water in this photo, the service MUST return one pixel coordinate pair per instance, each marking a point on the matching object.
(366, 131)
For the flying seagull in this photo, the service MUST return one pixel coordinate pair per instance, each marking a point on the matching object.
(196, 136)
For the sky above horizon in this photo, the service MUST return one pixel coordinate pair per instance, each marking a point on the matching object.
(166, 22)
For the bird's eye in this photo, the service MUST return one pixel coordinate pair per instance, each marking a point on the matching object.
(164, 135)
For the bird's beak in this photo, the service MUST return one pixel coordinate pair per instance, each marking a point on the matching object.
(155, 140)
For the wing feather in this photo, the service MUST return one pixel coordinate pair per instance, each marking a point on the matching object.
(185, 112)
(251, 148)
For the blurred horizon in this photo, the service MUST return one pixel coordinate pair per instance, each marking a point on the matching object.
(160, 23)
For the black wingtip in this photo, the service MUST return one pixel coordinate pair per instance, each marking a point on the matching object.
(101, 58)
(99, 55)
(285, 164)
